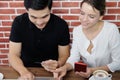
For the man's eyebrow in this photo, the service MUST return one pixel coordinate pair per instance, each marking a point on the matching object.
(33, 16)
(40, 17)
(45, 16)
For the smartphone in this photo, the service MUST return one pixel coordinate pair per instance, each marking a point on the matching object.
(80, 66)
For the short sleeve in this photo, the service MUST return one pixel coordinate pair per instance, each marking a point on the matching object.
(64, 38)
(15, 34)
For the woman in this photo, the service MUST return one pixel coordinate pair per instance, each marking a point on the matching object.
(95, 42)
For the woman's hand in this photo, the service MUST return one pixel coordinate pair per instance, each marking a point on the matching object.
(50, 65)
(59, 72)
(85, 74)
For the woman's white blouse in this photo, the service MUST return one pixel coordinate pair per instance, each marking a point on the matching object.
(105, 51)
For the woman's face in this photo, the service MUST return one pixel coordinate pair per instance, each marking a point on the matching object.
(89, 16)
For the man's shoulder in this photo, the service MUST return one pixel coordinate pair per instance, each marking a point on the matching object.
(22, 18)
(21, 21)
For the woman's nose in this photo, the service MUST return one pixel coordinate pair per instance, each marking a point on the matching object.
(85, 18)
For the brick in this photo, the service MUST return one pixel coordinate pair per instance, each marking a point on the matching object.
(70, 29)
(2, 45)
(56, 4)
(111, 4)
(16, 4)
(75, 11)
(70, 4)
(6, 34)
(118, 17)
(3, 56)
(5, 61)
(60, 11)
(20, 11)
(119, 4)
(0, 23)
(4, 17)
(75, 23)
(7, 11)
(5, 29)
(3, 4)
(113, 11)
(4, 51)
(1, 34)
(3, 40)
(68, 17)
(7, 45)
(109, 17)
(6, 23)
(13, 17)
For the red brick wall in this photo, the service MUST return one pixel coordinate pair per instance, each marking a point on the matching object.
(67, 9)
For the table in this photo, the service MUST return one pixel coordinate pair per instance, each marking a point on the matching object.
(10, 73)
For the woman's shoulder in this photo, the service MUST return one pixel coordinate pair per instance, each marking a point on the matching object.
(77, 28)
(110, 24)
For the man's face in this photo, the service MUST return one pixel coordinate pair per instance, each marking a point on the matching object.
(39, 17)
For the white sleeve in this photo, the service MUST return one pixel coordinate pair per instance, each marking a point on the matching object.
(115, 49)
(74, 53)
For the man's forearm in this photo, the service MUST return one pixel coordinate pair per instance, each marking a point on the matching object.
(64, 53)
(17, 64)
(62, 61)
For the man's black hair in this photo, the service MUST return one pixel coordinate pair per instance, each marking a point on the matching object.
(37, 4)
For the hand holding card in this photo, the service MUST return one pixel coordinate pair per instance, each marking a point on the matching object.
(80, 66)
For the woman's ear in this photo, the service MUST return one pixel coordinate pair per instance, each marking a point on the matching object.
(101, 17)
(26, 10)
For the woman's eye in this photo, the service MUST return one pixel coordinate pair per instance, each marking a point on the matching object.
(82, 13)
(91, 16)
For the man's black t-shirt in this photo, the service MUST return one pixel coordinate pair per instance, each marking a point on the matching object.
(39, 45)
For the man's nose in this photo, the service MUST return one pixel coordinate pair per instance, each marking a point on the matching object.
(39, 21)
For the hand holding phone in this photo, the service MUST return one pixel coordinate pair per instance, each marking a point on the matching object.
(80, 66)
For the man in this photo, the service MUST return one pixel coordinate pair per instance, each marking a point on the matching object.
(38, 37)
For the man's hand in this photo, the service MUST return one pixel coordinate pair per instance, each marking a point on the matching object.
(26, 76)
(50, 65)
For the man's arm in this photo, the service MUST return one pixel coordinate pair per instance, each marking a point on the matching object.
(64, 53)
(14, 58)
